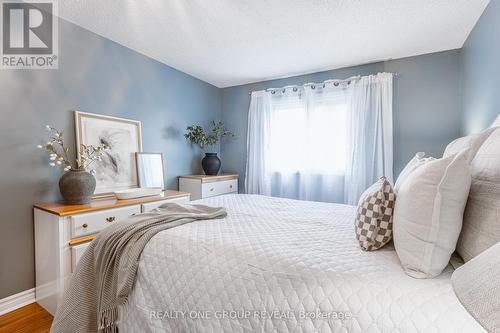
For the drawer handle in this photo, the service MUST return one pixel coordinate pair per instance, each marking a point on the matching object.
(85, 225)
(212, 189)
(230, 186)
(110, 219)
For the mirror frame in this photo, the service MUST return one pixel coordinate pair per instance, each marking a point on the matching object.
(137, 154)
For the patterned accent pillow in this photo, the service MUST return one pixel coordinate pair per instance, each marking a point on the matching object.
(374, 219)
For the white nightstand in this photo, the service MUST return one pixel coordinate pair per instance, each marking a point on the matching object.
(201, 186)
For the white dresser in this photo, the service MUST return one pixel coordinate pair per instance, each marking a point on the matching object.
(201, 186)
(63, 232)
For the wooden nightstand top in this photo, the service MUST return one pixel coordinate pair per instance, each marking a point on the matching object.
(211, 179)
(59, 208)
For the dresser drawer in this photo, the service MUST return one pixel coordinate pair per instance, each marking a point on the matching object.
(76, 253)
(91, 223)
(218, 188)
(152, 205)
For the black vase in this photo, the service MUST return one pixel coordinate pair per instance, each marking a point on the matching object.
(211, 164)
(77, 187)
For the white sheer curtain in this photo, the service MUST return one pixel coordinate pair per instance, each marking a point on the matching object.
(257, 178)
(301, 142)
(370, 149)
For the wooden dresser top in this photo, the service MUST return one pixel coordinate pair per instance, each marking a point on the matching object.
(59, 208)
(211, 179)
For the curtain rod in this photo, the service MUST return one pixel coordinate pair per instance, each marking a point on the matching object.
(349, 79)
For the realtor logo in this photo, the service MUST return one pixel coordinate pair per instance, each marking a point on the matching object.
(29, 34)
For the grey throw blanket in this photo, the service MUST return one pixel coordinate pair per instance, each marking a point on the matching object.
(106, 272)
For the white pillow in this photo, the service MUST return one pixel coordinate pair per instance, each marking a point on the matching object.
(472, 142)
(415, 163)
(481, 227)
(496, 123)
(428, 214)
(476, 286)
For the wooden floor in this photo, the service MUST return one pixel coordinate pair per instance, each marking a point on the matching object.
(28, 319)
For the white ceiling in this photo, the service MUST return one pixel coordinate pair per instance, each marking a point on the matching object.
(232, 42)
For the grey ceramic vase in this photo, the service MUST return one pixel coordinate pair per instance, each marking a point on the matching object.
(77, 187)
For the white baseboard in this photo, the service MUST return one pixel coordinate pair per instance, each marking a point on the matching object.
(16, 301)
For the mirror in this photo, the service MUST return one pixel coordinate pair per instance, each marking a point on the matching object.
(150, 170)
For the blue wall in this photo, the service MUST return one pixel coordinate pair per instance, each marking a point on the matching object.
(480, 58)
(99, 76)
(426, 106)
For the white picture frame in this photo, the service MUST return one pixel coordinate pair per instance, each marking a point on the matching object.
(117, 170)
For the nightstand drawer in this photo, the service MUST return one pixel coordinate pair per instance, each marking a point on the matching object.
(218, 188)
(152, 205)
(91, 223)
(203, 186)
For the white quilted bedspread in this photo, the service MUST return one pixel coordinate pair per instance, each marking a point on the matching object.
(279, 265)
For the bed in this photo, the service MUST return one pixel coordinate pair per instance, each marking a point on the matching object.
(280, 265)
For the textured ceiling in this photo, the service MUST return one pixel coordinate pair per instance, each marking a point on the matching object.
(232, 42)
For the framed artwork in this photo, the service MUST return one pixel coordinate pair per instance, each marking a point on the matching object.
(150, 170)
(117, 169)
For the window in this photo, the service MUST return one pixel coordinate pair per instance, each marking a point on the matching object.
(308, 137)
(320, 142)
